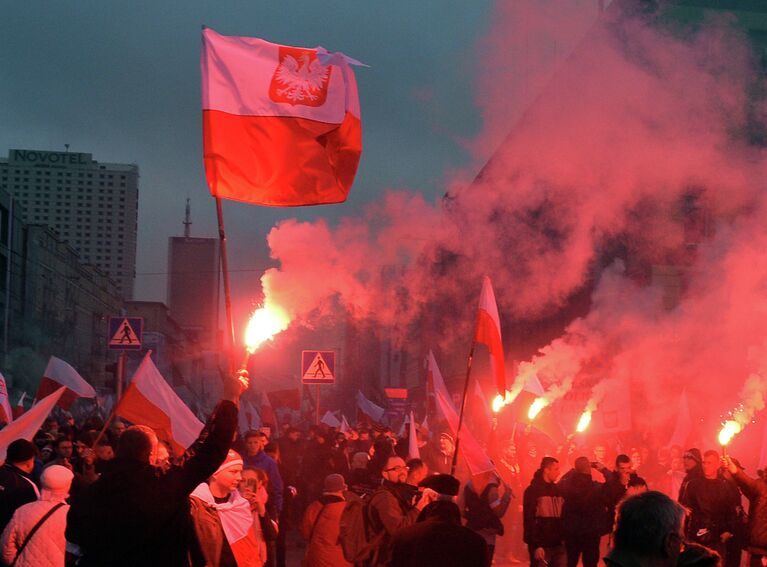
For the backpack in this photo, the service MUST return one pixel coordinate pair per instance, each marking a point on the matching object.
(357, 545)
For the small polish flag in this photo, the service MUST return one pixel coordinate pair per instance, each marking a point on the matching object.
(488, 333)
(58, 373)
(281, 125)
(18, 410)
(149, 400)
(25, 426)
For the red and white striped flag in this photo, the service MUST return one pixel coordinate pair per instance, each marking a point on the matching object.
(58, 373)
(150, 401)
(30, 423)
(281, 125)
(6, 415)
(18, 409)
(412, 443)
(488, 333)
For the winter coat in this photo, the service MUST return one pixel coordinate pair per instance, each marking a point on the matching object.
(16, 489)
(389, 512)
(713, 510)
(756, 492)
(438, 540)
(210, 535)
(47, 546)
(584, 509)
(542, 514)
(320, 527)
(136, 514)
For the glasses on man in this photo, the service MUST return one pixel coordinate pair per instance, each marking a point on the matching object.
(398, 467)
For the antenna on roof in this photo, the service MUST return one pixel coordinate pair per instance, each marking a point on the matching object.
(188, 220)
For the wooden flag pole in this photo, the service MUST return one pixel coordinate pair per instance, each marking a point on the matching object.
(463, 405)
(227, 287)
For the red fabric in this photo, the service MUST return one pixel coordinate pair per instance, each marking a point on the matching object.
(48, 386)
(280, 161)
(489, 335)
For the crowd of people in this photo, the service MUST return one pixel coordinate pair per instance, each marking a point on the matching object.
(77, 495)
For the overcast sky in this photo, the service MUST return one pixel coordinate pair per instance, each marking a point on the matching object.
(121, 80)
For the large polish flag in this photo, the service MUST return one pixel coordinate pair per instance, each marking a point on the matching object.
(150, 401)
(281, 125)
(58, 373)
(370, 409)
(25, 426)
(488, 333)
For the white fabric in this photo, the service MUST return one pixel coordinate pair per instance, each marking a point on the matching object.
(235, 514)
(5, 403)
(28, 424)
(61, 372)
(369, 408)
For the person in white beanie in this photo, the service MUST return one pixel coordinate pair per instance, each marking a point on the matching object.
(222, 518)
(35, 535)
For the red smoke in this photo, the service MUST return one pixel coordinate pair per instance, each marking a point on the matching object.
(621, 140)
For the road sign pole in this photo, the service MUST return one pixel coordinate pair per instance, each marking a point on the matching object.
(317, 413)
(119, 379)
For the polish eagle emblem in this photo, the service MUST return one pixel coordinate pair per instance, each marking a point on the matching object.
(301, 80)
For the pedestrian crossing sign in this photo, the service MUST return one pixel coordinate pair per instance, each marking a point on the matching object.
(125, 333)
(318, 367)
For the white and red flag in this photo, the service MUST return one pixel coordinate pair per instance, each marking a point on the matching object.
(6, 414)
(30, 423)
(476, 458)
(281, 125)
(266, 411)
(370, 409)
(488, 333)
(149, 400)
(58, 373)
(18, 409)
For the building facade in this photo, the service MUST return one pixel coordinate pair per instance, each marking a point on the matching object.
(92, 206)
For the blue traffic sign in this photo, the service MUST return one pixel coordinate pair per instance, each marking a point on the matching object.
(125, 333)
(318, 367)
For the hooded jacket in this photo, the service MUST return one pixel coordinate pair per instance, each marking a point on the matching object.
(542, 511)
(756, 492)
(584, 509)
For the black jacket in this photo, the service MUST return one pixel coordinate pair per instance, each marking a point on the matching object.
(713, 510)
(16, 489)
(136, 515)
(542, 510)
(584, 510)
(756, 492)
(438, 540)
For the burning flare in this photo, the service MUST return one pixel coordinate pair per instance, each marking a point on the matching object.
(536, 408)
(263, 325)
(584, 421)
(729, 430)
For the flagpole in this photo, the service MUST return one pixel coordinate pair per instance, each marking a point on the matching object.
(227, 288)
(463, 405)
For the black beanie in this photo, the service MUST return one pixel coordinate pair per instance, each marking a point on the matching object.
(442, 483)
(19, 451)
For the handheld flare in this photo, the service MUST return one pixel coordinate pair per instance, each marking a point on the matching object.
(263, 325)
(730, 429)
(584, 422)
(535, 408)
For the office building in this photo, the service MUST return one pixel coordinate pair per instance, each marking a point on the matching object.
(92, 206)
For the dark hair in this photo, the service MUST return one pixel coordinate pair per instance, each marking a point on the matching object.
(415, 464)
(622, 459)
(252, 433)
(644, 521)
(546, 462)
(711, 452)
(135, 443)
(20, 451)
(636, 482)
(61, 439)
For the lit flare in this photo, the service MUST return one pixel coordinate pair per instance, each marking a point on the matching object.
(584, 422)
(730, 429)
(536, 407)
(498, 403)
(265, 322)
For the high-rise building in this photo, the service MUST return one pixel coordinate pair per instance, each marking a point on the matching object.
(92, 206)
(193, 279)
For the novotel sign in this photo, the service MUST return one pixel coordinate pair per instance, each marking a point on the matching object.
(34, 157)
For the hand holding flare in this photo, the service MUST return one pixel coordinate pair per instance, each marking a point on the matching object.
(265, 322)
